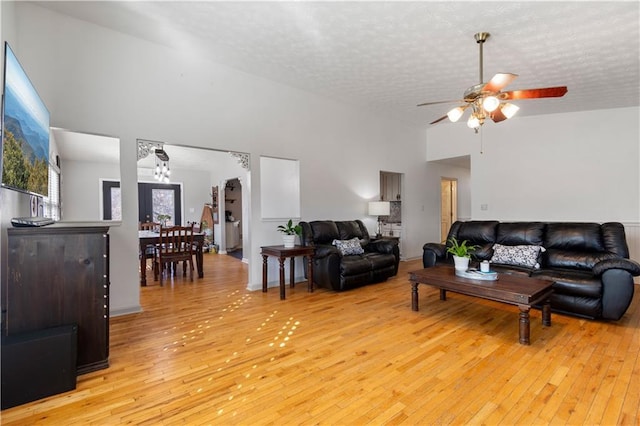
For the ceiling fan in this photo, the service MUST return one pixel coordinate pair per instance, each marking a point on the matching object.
(488, 99)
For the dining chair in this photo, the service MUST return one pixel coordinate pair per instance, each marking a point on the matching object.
(150, 249)
(148, 226)
(176, 245)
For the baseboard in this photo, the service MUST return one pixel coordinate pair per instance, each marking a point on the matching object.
(125, 311)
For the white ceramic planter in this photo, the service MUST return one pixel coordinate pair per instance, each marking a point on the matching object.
(461, 263)
(289, 241)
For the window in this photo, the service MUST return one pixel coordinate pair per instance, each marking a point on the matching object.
(156, 199)
(111, 201)
(153, 199)
(52, 202)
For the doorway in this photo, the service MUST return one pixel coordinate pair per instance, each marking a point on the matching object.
(233, 218)
(448, 206)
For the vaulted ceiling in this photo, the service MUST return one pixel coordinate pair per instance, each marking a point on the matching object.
(390, 56)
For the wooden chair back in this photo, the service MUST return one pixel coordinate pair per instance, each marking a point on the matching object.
(176, 245)
(148, 226)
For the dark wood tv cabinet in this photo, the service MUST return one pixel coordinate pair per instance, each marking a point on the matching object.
(59, 275)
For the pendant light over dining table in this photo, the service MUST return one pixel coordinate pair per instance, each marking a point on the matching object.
(162, 170)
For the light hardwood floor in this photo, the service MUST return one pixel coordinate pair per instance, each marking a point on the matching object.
(210, 352)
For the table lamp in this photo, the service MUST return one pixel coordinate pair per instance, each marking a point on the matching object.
(379, 208)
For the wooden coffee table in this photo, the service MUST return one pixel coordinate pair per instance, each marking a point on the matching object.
(518, 290)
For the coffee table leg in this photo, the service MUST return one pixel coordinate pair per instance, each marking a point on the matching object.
(546, 313)
(414, 296)
(443, 294)
(524, 325)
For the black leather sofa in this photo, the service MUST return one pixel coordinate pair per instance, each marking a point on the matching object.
(331, 269)
(588, 262)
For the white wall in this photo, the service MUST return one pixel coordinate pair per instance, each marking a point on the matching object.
(576, 167)
(80, 188)
(101, 81)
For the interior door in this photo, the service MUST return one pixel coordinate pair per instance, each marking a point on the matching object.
(448, 206)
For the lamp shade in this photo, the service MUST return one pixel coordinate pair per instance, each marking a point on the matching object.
(455, 114)
(379, 208)
(509, 110)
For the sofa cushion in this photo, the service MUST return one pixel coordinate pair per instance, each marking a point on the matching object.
(580, 260)
(381, 261)
(349, 247)
(349, 229)
(477, 232)
(324, 231)
(521, 255)
(354, 265)
(520, 233)
(577, 283)
(579, 237)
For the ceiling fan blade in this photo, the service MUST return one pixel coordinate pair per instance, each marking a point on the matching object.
(546, 92)
(439, 119)
(498, 82)
(497, 116)
(439, 102)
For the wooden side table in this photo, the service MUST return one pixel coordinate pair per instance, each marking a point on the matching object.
(282, 253)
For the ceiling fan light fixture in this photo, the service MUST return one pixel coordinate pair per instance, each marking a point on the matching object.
(473, 122)
(455, 114)
(490, 103)
(509, 110)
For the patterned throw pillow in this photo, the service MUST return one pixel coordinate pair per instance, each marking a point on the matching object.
(525, 255)
(349, 247)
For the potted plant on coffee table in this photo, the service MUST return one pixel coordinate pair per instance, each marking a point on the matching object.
(290, 231)
(461, 253)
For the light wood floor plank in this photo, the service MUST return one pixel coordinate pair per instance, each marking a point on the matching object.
(211, 352)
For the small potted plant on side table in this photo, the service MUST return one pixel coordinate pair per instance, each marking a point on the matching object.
(461, 253)
(290, 231)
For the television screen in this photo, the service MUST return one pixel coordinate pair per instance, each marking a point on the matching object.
(25, 132)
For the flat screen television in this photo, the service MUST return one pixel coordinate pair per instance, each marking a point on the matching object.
(25, 132)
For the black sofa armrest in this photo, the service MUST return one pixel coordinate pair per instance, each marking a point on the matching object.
(628, 265)
(324, 250)
(432, 253)
(381, 246)
(440, 250)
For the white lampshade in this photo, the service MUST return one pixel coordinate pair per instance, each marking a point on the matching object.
(490, 103)
(455, 114)
(379, 208)
(509, 110)
(473, 122)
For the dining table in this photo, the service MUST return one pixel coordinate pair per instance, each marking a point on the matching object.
(146, 238)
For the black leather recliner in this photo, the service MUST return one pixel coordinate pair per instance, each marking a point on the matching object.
(337, 272)
(588, 262)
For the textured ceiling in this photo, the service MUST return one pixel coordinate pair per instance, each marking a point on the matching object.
(390, 56)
